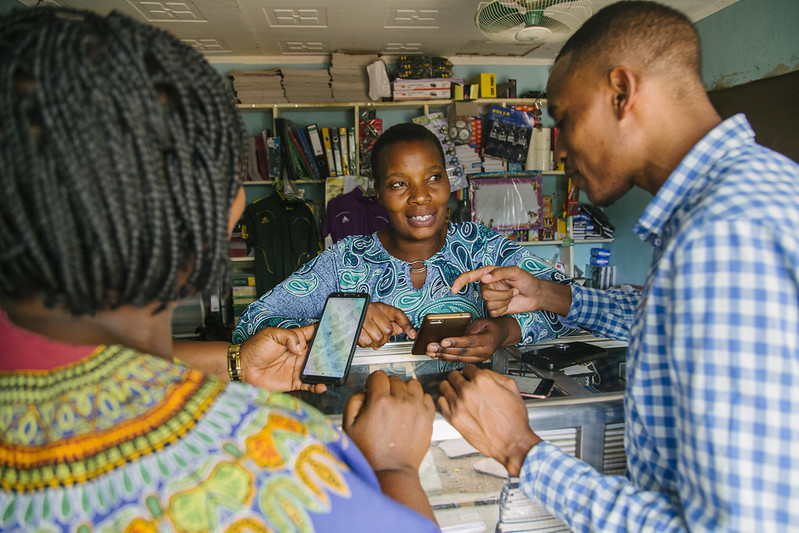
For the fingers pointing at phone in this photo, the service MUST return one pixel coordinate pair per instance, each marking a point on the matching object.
(382, 322)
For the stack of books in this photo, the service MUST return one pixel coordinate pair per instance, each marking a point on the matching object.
(307, 85)
(349, 80)
(422, 89)
(258, 86)
(591, 223)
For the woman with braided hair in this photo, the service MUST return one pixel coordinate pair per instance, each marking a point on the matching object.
(120, 180)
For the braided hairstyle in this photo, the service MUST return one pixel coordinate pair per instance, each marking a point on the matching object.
(404, 132)
(120, 157)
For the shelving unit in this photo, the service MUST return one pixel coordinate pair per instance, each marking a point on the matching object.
(352, 112)
(423, 106)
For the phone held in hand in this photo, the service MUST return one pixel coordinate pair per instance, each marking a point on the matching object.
(336, 336)
(438, 326)
(533, 386)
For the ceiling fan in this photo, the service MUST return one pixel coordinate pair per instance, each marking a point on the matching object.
(530, 22)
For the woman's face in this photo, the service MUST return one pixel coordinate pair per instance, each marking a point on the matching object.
(414, 189)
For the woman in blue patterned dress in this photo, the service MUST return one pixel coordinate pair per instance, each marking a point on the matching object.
(409, 268)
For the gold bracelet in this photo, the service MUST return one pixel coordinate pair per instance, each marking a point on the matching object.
(234, 362)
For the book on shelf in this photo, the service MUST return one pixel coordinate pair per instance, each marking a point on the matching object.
(253, 170)
(307, 151)
(294, 158)
(273, 160)
(345, 151)
(336, 143)
(262, 157)
(327, 143)
(303, 170)
(318, 150)
(352, 147)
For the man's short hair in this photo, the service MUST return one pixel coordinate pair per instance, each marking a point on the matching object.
(647, 34)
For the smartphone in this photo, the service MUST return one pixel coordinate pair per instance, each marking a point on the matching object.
(336, 336)
(437, 326)
(533, 386)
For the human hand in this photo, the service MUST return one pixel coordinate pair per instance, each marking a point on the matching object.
(391, 422)
(273, 359)
(511, 290)
(487, 410)
(483, 337)
(381, 323)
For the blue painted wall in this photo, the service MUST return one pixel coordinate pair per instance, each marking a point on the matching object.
(748, 41)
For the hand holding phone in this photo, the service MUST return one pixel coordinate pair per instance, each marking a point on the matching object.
(336, 336)
(438, 326)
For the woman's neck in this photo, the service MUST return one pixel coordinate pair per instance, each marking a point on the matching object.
(411, 251)
(139, 328)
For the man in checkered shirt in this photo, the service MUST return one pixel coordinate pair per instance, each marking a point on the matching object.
(712, 398)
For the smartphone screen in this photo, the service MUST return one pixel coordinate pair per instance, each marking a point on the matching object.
(533, 386)
(438, 326)
(335, 338)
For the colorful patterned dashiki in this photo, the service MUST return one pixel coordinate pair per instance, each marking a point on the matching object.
(362, 264)
(122, 441)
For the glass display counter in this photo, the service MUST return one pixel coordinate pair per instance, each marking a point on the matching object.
(472, 493)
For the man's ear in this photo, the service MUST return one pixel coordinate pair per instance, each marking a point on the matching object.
(623, 89)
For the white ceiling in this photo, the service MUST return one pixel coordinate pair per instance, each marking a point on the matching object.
(298, 31)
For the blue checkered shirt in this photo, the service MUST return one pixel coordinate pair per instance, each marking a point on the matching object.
(712, 399)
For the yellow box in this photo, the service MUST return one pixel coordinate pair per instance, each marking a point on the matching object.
(488, 84)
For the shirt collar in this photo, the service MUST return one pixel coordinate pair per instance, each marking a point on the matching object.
(690, 173)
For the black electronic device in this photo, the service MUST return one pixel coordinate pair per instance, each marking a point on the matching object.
(559, 356)
(438, 326)
(336, 336)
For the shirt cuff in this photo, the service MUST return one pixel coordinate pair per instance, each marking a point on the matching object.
(572, 320)
(547, 474)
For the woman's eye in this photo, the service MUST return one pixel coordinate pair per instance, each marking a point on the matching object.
(435, 177)
(396, 185)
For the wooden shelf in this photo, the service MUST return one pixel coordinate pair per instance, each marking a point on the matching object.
(403, 104)
(270, 182)
(540, 243)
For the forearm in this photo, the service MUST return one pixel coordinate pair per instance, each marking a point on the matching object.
(209, 357)
(405, 487)
(513, 332)
(556, 297)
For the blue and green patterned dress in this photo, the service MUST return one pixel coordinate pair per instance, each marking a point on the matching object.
(362, 264)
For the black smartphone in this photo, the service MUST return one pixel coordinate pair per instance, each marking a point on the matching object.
(437, 326)
(533, 386)
(336, 336)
